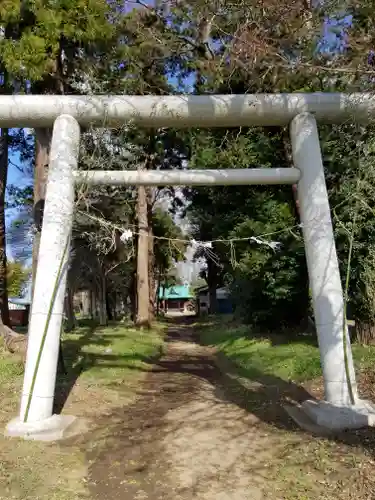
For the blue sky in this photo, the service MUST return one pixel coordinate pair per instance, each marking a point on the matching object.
(15, 176)
(19, 179)
(334, 39)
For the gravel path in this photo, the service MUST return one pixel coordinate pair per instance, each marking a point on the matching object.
(182, 439)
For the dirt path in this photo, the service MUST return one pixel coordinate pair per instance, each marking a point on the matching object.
(182, 439)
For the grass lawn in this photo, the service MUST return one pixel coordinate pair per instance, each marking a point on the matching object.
(264, 373)
(105, 366)
(289, 358)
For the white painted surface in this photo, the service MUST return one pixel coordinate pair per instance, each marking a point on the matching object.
(185, 110)
(16, 307)
(222, 293)
(339, 418)
(56, 232)
(324, 275)
(204, 298)
(52, 428)
(223, 177)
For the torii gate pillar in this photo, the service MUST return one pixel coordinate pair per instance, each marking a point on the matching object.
(341, 409)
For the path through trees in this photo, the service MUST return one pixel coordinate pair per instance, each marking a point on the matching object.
(195, 433)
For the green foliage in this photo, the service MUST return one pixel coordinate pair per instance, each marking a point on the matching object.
(222, 48)
(279, 356)
(37, 32)
(17, 276)
(349, 152)
(103, 212)
(167, 252)
(269, 287)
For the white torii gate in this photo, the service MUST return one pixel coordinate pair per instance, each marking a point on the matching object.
(342, 408)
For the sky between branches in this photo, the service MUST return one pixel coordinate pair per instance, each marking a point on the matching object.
(332, 42)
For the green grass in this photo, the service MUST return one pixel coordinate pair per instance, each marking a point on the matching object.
(294, 359)
(113, 353)
(9, 369)
(105, 367)
(299, 466)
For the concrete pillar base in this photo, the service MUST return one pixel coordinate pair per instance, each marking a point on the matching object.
(54, 428)
(322, 417)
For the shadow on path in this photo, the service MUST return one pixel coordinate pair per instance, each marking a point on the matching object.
(195, 431)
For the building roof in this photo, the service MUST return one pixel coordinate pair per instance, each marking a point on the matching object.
(175, 292)
(221, 293)
(20, 301)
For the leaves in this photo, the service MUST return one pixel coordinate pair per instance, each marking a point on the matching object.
(17, 277)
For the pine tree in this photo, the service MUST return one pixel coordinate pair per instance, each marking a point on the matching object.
(47, 46)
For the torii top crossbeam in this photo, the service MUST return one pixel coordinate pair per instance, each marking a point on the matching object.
(186, 110)
(342, 407)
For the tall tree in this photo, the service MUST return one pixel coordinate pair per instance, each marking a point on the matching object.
(3, 258)
(143, 285)
(49, 44)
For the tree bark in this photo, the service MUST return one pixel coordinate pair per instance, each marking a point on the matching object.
(103, 318)
(13, 341)
(69, 311)
(158, 284)
(61, 368)
(143, 291)
(365, 332)
(42, 146)
(93, 304)
(289, 163)
(108, 307)
(3, 255)
(43, 138)
(151, 255)
(212, 281)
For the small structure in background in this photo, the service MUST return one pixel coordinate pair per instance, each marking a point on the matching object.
(19, 310)
(84, 305)
(224, 303)
(177, 298)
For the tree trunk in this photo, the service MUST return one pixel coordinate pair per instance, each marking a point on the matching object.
(143, 292)
(151, 256)
(61, 368)
(13, 341)
(42, 146)
(151, 276)
(158, 284)
(103, 318)
(3, 255)
(212, 281)
(289, 163)
(108, 307)
(71, 321)
(365, 332)
(93, 305)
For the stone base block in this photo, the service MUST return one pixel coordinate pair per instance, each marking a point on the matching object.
(54, 428)
(322, 417)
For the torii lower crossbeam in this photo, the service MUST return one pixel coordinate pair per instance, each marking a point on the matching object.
(342, 408)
